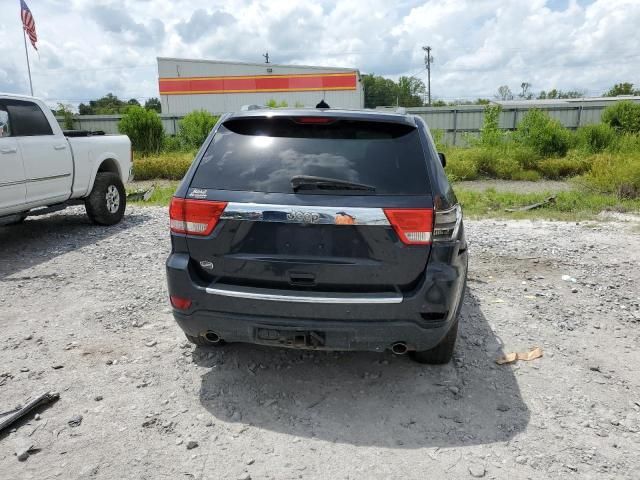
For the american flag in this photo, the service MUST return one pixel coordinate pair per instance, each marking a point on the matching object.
(28, 23)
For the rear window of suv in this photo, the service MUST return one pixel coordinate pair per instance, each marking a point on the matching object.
(264, 154)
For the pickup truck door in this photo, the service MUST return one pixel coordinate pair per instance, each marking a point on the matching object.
(47, 158)
(12, 178)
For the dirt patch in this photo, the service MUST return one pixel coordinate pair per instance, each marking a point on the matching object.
(93, 300)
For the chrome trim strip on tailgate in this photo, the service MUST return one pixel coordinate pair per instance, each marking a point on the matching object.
(311, 297)
(258, 212)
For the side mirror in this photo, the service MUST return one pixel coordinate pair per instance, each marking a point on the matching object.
(443, 159)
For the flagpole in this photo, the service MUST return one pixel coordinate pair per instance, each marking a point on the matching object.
(26, 51)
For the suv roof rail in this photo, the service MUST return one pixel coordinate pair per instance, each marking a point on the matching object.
(248, 108)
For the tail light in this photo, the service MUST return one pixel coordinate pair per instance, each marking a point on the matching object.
(180, 303)
(194, 217)
(413, 225)
(447, 224)
(422, 226)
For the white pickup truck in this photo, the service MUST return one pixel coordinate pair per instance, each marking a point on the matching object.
(43, 169)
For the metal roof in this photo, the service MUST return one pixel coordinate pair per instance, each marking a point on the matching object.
(250, 64)
(564, 101)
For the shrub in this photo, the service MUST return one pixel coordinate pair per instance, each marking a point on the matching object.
(144, 129)
(194, 128)
(272, 103)
(626, 143)
(171, 143)
(461, 165)
(596, 138)
(526, 157)
(569, 166)
(618, 174)
(543, 134)
(623, 116)
(490, 133)
(169, 166)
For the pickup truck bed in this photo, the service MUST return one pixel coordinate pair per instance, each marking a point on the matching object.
(42, 166)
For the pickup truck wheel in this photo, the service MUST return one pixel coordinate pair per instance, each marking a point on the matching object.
(16, 221)
(106, 203)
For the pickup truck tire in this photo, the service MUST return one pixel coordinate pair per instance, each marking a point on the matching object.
(16, 221)
(106, 203)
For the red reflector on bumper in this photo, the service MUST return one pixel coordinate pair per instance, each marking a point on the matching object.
(180, 303)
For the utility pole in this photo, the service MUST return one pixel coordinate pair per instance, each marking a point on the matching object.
(266, 57)
(427, 63)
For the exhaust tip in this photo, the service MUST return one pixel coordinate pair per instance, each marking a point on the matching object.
(212, 338)
(399, 348)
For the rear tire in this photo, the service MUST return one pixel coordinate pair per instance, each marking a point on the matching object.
(20, 219)
(441, 353)
(107, 201)
(202, 342)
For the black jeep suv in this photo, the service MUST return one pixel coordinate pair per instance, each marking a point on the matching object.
(319, 229)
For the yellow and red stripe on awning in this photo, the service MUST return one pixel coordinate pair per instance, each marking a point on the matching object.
(258, 83)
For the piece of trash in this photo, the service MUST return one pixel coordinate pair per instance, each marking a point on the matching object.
(545, 202)
(141, 195)
(568, 278)
(14, 415)
(532, 354)
(75, 421)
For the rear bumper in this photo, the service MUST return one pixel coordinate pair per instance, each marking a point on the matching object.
(420, 318)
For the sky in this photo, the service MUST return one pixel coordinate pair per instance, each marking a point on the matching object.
(88, 48)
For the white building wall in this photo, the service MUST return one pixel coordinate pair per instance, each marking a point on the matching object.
(181, 104)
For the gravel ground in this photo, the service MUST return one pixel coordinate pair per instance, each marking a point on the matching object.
(92, 303)
(515, 186)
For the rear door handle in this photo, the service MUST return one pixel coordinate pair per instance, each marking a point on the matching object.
(60, 147)
(9, 150)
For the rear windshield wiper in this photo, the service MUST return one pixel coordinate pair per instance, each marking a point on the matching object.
(309, 182)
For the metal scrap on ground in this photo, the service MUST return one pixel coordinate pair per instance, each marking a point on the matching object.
(547, 201)
(143, 195)
(12, 416)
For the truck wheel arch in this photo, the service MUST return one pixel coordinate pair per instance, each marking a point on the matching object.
(106, 164)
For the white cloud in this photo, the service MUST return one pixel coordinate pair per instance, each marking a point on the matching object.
(91, 47)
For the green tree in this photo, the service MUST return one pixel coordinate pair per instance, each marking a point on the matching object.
(624, 88)
(66, 113)
(153, 104)
(107, 105)
(555, 94)
(144, 129)
(410, 92)
(504, 93)
(526, 91)
(379, 91)
(133, 102)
